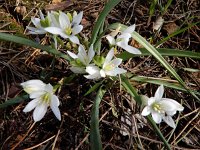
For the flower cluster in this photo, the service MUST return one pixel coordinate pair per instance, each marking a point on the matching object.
(43, 96)
(64, 25)
(90, 65)
(161, 108)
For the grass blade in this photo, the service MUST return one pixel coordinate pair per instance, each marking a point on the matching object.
(24, 41)
(158, 56)
(13, 101)
(108, 7)
(93, 88)
(163, 51)
(133, 92)
(166, 82)
(95, 137)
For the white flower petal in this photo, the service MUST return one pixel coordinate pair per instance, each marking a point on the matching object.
(111, 40)
(54, 106)
(64, 21)
(171, 113)
(74, 39)
(128, 48)
(39, 112)
(146, 111)
(49, 88)
(102, 73)
(94, 72)
(36, 94)
(78, 69)
(54, 30)
(178, 106)
(169, 121)
(115, 71)
(36, 22)
(31, 105)
(36, 30)
(92, 69)
(77, 29)
(74, 56)
(168, 105)
(82, 55)
(130, 29)
(33, 86)
(159, 93)
(115, 62)
(151, 100)
(41, 15)
(124, 37)
(156, 117)
(109, 57)
(91, 53)
(77, 19)
(55, 21)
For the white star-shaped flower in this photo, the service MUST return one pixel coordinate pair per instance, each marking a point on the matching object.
(82, 59)
(162, 108)
(123, 39)
(67, 29)
(43, 97)
(40, 24)
(110, 65)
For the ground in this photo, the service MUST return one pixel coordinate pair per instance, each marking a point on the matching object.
(19, 63)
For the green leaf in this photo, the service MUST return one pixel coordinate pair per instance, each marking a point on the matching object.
(158, 56)
(13, 101)
(108, 7)
(166, 82)
(163, 51)
(95, 137)
(191, 70)
(93, 88)
(132, 91)
(24, 41)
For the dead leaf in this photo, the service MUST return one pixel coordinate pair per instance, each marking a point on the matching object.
(59, 5)
(171, 27)
(158, 24)
(21, 10)
(56, 1)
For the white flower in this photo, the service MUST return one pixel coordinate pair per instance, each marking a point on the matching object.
(110, 67)
(123, 39)
(67, 28)
(82, 59)
(43, 96)
(93, 71)
(40, 24)
(162, 108)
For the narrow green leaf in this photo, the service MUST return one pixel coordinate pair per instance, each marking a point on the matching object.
(191, 70)
(108, 7)
(163, 51)
(166, 6)
(93, 88)
(127, 85)
(24, 41)
(95, 137)
(158, 56)
(167, 83)
(13, 101)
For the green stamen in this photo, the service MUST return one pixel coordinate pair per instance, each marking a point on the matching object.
(68, 30)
